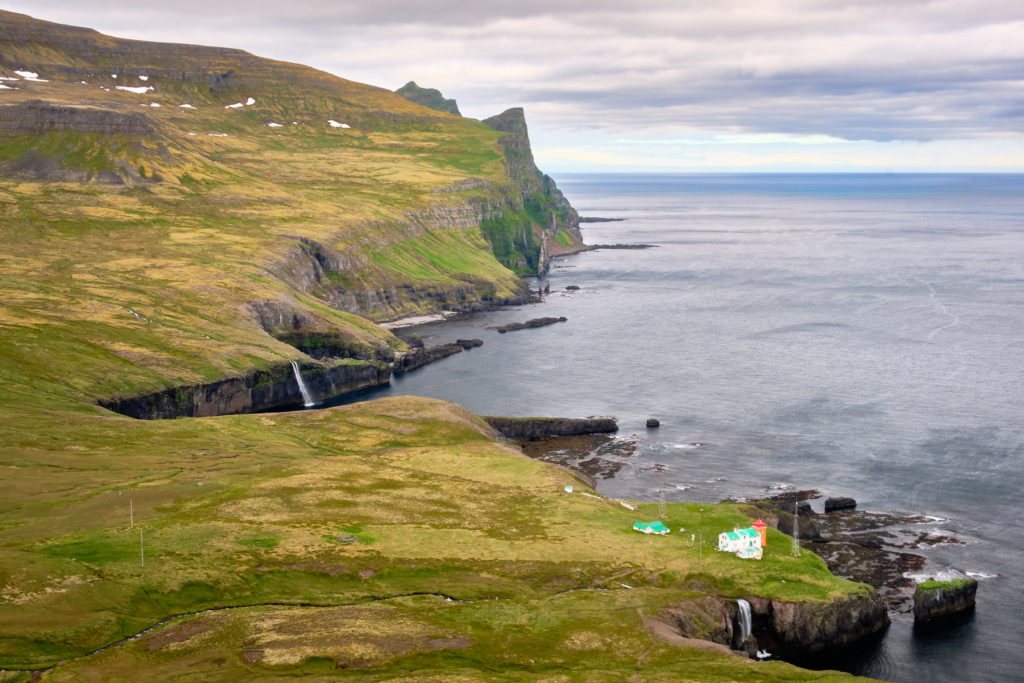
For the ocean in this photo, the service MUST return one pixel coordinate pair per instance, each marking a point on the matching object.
(859, 334)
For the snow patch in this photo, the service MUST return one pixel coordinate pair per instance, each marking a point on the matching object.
(217, 135)
(6, 87)
(154, 104)
(236, 105)
(250, 101)
(143, 78)
(191, 133)
(335, 124)
(113, 76)
(295, 123)
(275, 125)
(138, 90)
(31, 76)
(185, 106)
(7, 78)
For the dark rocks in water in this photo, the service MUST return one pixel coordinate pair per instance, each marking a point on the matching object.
(469, 343)
(621, 246)
(536, 322)
(589, 456)
(653, 422)
(572, 288)
(833, 504)
(541, 427)
(804, 509)
(598, 219)
(938, 601)
(421, 356)
(547, 286)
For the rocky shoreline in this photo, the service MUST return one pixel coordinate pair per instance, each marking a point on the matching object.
(875, 548)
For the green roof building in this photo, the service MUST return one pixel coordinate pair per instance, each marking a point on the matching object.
(651, 528)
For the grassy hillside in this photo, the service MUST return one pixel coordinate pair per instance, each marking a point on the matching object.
(139, 248)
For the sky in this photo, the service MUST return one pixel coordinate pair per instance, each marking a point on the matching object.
(655, 85)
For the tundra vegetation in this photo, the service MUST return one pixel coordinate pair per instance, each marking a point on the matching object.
(395, 538)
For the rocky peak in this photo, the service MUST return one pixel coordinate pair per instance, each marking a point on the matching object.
(428, 97)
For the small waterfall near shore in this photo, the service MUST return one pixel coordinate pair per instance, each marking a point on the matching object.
(743, 618)
(307, 400)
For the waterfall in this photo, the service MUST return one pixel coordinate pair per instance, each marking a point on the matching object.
(743, 618)
(307, 400)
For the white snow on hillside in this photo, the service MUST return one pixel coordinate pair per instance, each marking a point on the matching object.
(31, 76)
(335, 124)
(138, 90)
(250, 101)
(236, 105)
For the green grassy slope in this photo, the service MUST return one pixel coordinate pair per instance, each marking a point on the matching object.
(258, 511)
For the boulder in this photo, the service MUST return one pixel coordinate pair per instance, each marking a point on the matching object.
(469, 343)
(833, 504)
(653, 422)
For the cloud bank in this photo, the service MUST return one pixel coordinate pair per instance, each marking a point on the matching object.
(897, 74)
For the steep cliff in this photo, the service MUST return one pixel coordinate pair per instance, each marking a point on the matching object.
(794, 630)
(553, 226)
(173, 190)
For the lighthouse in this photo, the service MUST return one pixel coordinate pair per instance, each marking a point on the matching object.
(762, 529)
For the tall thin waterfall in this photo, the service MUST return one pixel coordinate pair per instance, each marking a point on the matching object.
(743, 618)
(307, 400)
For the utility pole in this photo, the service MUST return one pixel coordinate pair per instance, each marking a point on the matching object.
(700, 532)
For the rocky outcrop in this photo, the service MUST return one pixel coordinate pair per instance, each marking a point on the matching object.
(791, 630)
(842, 503)
(36, 117)
(418, 357)
(939, 601)
(256, 391)
(536, 322)
(428, 97)
(541, 427)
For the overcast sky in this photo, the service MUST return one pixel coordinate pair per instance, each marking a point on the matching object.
(653, 85)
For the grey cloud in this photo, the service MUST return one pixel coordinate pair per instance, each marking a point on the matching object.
(875, 69)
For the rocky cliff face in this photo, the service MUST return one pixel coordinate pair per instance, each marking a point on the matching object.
(938, 601)
(553, 218)
(795, 630)
(275, 387)
(540, 427)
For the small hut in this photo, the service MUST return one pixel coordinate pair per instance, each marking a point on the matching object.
(651, 528)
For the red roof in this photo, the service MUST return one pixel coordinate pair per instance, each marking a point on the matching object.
(759, 525)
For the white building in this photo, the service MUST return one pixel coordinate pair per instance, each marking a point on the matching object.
(745, 543)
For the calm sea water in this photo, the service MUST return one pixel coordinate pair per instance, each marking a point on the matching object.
(858, 334)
